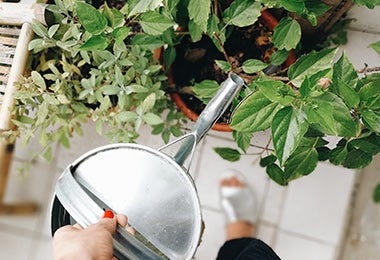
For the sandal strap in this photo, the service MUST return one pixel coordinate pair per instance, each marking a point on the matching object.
(238, 203)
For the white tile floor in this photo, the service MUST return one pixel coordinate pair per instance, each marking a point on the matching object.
(305, 220)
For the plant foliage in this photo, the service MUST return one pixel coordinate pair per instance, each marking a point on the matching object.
(90, 66)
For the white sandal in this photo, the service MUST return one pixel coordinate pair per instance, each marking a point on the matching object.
(238, 203)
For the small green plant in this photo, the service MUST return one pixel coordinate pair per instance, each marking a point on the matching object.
(89, 65)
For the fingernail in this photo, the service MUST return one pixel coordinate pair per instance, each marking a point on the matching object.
(108, 214)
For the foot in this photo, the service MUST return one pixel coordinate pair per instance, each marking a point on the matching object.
(237, 201)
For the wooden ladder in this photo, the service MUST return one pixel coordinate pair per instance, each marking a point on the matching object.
(13, 57)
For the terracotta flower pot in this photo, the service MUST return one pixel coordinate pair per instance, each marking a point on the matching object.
(270, 22)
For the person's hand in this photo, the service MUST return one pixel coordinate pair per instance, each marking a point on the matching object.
(93, 242)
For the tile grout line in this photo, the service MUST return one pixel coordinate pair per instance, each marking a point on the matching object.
(344, 237)
(305, 237)
(38, 234)
(357, 29)
(279, 218)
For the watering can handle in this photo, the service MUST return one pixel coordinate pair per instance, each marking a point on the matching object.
(214, 109)
(86, 211)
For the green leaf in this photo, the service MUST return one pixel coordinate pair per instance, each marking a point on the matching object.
(321, 113)
(242, 139)
(114, 17)
(228, 154)
(303, 161)
(206, 89)
(348, 94)
(169, 56)
(312, 141)
(64, 140)
(152, 119)
(111, 90)
(39, 29)
(306, 87)
(213, 27)
(252, 66)
(52, 30)
(38, 80)
(369, 144)
(275, 90)
(223, 65)
(254, 114)
(371, 119)
(242, 13)
(147, 42)
(154, 23)
(323, 153)
(126, 116)
(279, 57)
(157, 129)
(176, 131)
(121, 33)
(369, 3)
(119, 77)
(376, 194)
(265, 161)
(376, 46)
(195, 31)
(148, 102)
(276, 174)
(91, 19)
(96, 42)
(43, 139)
(288, 128)
(338, 155)
(297, 6)
(317, 7)
(343, 123)
(198, 12)
(310, 64)
(287, 34)
(141, 6)
(48, 154)
(345, 71)
(370, 95)
(357, 159)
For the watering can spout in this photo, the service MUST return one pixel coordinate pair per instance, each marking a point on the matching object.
(214, 109)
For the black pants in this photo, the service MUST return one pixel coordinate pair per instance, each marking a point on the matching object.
(246, 249)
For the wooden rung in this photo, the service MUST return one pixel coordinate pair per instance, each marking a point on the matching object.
(5, 69)
(8, 41)
(18, 209)
(3, 78)
(4, 49)
(9, 31)
(6, 60)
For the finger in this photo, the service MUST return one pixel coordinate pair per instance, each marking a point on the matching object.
(108, 223)
(122, 220)
(77, 226)
(131, 230)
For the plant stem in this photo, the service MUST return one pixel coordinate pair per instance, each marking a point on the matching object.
(222, 47)
(132, 20)
(365, 69)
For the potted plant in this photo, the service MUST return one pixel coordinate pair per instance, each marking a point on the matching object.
(98, 64)
(321, 95)
(94, 64)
